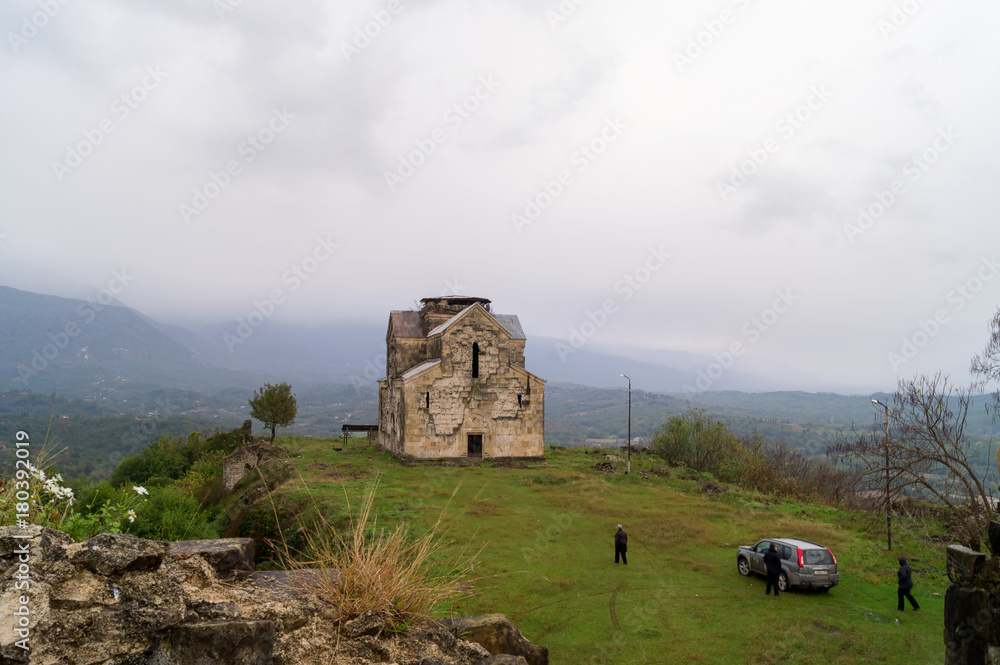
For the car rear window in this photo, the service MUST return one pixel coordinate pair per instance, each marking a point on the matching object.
(816, 557)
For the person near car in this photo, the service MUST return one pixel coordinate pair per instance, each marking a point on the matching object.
(772, 562)
(905, 577)
(621, 545)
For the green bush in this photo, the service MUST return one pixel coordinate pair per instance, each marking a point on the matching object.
(172, 514)
(696, 441)
(222, 442)
(168, 458)
(705, 446)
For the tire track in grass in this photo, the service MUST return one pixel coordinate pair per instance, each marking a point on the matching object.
(611, 606)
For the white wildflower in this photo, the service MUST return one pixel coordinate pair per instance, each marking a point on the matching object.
(131, 516)
(140, 490)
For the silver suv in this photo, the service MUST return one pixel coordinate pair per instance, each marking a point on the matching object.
(803, 564)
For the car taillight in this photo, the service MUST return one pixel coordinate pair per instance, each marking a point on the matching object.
(832, 557)
(799, 550)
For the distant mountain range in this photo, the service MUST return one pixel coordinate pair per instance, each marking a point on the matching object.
(80, 348)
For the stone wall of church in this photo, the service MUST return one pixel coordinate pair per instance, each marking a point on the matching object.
(446, 404)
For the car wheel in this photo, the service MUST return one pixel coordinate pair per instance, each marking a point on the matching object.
(744, 567)
(782, 582)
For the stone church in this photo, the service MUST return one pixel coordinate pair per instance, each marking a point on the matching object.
(456, 386)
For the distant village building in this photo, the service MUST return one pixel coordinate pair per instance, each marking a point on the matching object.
(456, 386)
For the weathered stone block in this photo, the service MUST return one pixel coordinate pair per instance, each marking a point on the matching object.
(223, 643)
(210, 611)
(117, 553)
(498, 636)
(292, 581)
(370, 623)
(82, 590)
(964, 564)
(503, 659)
(45, 544)
(229, 557)
(994, 532)
(971, 614)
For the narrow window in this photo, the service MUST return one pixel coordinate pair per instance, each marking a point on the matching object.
(475, 360)
(519, 400)
(427, 400)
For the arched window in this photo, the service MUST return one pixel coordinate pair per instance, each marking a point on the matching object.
(475, 360)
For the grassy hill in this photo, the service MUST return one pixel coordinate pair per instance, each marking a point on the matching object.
(547, 559)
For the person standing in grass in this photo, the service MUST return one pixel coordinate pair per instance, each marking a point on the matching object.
(905, 577)
(621, 545)
(772, 561)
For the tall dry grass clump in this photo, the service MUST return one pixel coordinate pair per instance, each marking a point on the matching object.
(401, 576)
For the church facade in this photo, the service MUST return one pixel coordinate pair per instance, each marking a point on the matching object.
(456, 385)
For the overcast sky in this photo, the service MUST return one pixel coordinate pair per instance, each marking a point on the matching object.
(690, 168)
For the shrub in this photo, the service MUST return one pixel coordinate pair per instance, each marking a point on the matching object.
(166, 458)
(204, 479)
(696, 441)
(705, 446)
(391, 572)
(172, 514)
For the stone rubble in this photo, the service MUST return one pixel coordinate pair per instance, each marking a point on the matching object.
(120, 600)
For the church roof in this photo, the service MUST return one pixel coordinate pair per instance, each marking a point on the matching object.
(512, 324)
(407, 324)
(508, 322)
(410, 323)
(427, 364)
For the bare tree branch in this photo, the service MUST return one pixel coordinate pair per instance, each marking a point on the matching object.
(927, 454)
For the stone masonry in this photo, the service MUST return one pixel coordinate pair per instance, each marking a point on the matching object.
(456, 385)
(972, 604)
(120, 600)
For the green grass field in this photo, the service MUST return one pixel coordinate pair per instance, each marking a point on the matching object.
(547, 560)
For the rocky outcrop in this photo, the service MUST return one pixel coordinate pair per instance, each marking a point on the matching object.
(498, 636)
(119, 600)
(245, 459)
(972, 604)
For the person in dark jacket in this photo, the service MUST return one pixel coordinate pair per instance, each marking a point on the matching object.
(772, 561)
(621, 545)
(905, 577)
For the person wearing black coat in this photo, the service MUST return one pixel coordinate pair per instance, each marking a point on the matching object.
(905, 577)
(621, 545)
(772, 561)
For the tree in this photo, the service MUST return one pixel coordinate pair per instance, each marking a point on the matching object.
(274, 406)
(697, 441)
(927, 454)
(986, 365)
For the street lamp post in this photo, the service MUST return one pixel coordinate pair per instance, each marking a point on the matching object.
(628, 467)
(888, 497)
